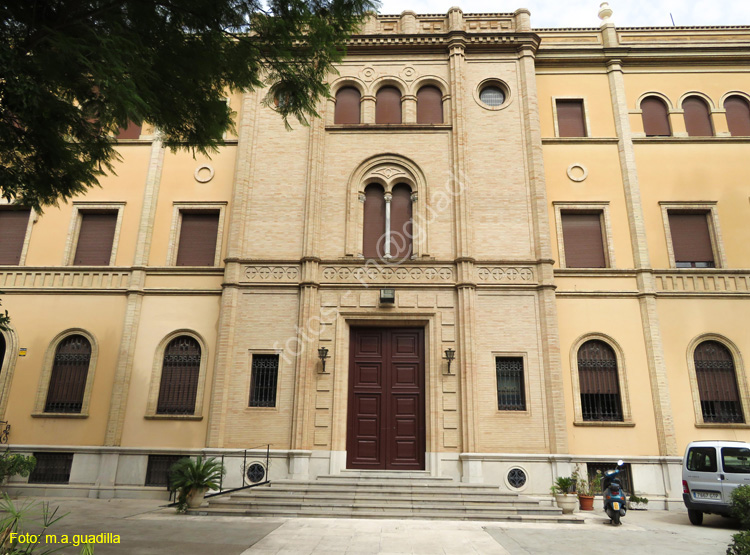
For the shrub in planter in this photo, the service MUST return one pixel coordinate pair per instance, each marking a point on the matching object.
(740, 544)
(191, 478)
(12, 464)
(564, 492)
(637, 503)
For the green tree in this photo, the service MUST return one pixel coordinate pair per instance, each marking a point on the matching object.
(74, 71)
(4, 318)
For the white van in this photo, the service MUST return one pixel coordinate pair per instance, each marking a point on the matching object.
(710, 471)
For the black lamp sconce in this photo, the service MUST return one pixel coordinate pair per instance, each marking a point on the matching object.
(450, 354)
(323, 354)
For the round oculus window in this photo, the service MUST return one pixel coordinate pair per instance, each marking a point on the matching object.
(255, 473)
(517, 478)
(492, 95)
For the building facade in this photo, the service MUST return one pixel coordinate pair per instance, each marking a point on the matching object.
(516, 250)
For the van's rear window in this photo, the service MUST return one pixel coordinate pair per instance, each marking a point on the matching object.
(701, 459)
(735, 460)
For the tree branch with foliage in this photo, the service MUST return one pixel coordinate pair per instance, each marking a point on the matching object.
(72, 72)
(4, 318)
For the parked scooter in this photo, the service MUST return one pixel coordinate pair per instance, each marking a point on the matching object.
(615, 503)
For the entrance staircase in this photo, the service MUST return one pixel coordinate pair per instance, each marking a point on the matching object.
(372, 494)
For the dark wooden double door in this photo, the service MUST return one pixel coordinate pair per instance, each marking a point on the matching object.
(386, 424)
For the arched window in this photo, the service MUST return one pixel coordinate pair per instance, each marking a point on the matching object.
(401, 227)
(738, 115)
(388, 105)
(374, 222)
(69, 372)
(599, 382)
(429, 105)
(179, 376)
(347, 106)
(655, 117)
(697, 118)
(717, 383)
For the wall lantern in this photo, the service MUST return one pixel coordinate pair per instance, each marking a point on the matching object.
(450, 354)
(323, 354)
(387, 296)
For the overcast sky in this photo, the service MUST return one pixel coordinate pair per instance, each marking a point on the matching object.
(583, 13)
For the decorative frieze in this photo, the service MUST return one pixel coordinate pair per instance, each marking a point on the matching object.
(505, 274)
(271, 273)
(30, 278)
(389, 274)
(703, 282)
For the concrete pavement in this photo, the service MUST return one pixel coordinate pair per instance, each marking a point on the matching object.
(145, 529)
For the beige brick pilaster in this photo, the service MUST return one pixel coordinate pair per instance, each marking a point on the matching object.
(121, 385)
(647, 298)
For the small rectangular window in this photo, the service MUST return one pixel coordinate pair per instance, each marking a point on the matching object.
(691, 239)
(735, 460)
(157, 470)
(51, 468)
(570, 118)
(198, 233)
(132, 131)
(95, 238)
(597, 470)
(511, 394)
(13, 226)
(583, 239)
(265, 372)
(701, 459)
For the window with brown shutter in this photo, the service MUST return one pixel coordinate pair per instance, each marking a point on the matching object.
(179, 376)
(570, 118)
(583, 240)
(401, 225)
(598, 382)
(717, 383)
(373, 228)
(429, 105)
(198, 234)
(691, 240)
(738, 116)
(388, 105)
(697, 118)
(347, 106)
(13, 225)
(132, 131)
(69, 372)
(95, 238)
(655, 117)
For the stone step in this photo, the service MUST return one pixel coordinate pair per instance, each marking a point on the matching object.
(394, 514)
(434, 497)
(403, 485)
(391, 492)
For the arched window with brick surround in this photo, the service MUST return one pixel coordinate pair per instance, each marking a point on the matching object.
(347, 106)
(599, 382)
(738, 115)
(373, 228)
(429, 105)
(717, 383)
(70, 370)
(697, 117)
(655, 117)
(179, 376)
(388, 105)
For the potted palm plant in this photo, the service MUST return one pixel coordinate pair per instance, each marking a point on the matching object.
(564, 492)
(587, 487)
(191, 478)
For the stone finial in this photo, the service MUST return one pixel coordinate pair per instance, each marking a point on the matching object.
(605, 12)
(523, 19)
(455, 19)
(408, 22)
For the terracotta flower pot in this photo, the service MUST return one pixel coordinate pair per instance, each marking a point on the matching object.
(195, 497)
(587, 502)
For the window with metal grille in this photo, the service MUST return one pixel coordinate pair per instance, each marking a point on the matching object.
(13, 225)
(492, 95)
(179, 376)
(70, 369)
(717, 383)
(599, 382)
(691, 239)
(597, 470)
(265, 372)
(51, 468)
(511, 394)
(570, 118)
(157, 470)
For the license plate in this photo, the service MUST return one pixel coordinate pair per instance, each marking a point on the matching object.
(706, 495)
(616, 506)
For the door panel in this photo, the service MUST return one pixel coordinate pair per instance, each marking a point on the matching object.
(386, 399)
